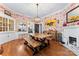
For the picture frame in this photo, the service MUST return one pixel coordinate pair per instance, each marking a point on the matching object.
(72, 15)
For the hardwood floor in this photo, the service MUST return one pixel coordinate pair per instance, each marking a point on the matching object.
(17, 48)
(55, 49)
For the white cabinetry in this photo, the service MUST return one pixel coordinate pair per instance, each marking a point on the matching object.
(7, 36)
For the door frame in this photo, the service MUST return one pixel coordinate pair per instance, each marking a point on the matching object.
(39, 28)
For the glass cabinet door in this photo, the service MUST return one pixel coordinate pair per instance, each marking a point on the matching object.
(0, 24)
(11, 25)
(0, 21)
(6, 24)
(3, 24)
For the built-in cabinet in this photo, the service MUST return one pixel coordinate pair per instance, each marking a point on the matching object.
(6, 24)
(11, 28)
(6, 29)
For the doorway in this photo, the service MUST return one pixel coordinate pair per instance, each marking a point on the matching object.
(36, 28)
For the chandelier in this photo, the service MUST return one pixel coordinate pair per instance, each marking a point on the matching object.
(37, 18)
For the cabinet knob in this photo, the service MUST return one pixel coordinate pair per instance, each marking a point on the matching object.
(8, 35)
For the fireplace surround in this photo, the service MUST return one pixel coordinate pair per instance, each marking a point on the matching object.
(70, 35)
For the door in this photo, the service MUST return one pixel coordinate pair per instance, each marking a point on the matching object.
(40, 28)
(36, 28)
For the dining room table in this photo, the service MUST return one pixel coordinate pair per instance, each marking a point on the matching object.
(37, 45)
(42, 35)
(32, 42)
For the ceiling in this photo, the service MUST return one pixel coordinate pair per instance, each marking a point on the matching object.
(30, 9)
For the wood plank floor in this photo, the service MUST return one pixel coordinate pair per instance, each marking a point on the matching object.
(55, 49)
(17, 48)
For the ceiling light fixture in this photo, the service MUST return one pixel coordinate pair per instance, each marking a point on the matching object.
(37, 18)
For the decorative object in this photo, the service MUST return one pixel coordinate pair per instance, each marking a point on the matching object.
(7, 12)
(64, 24)
(50, 24)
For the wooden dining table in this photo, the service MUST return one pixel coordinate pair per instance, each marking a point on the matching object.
(42, 35)
(37, 45)
(33, 43)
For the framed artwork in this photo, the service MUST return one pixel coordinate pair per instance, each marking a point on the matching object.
(73, 15)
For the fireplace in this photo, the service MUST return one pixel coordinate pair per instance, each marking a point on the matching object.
(70, 35)
(73, 41)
